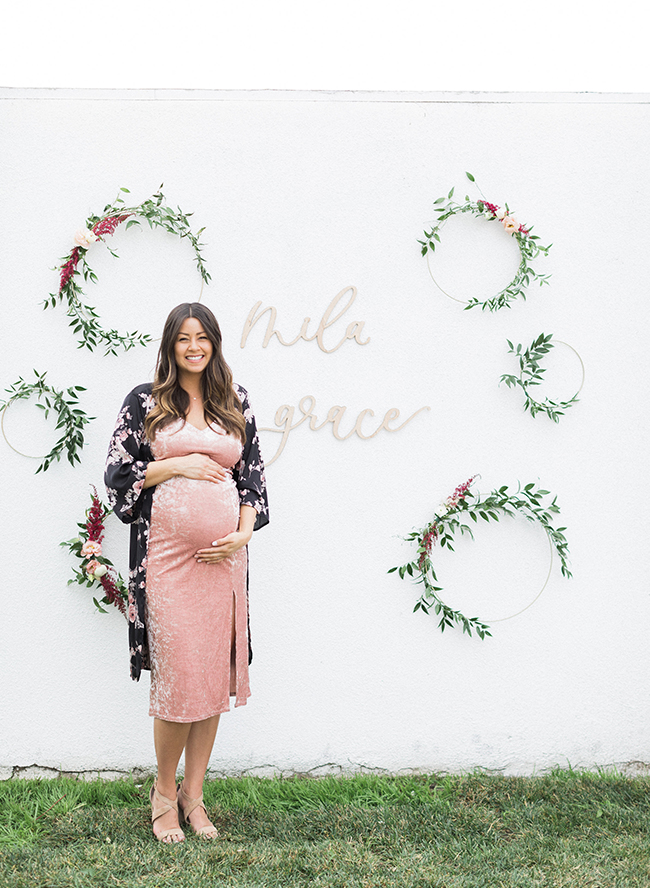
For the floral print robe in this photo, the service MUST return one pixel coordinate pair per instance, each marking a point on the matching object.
(129, 453)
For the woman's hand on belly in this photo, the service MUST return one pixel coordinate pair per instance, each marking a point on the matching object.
(224, 548)
(200, 467)
(231, 542)
(197, 466)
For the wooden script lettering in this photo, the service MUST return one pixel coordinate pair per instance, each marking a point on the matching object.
(353, 330)
(285, 414)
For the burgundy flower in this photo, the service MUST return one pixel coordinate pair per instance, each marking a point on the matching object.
(69, 268)
(95, 522)
(112, 592)
(462, 490)
(491, 207)
(428, 540)
(109, 224)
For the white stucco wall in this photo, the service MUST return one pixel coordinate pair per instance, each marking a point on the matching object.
(303, 195)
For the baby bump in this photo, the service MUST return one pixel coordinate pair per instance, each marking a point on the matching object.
(189, 515)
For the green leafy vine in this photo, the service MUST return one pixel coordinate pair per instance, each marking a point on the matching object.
(451, 517)
(529, 246)
(84, 318)
(530, 374)
(70, 417)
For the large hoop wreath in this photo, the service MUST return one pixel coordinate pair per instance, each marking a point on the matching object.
(70, 417)
(531, 374)
(96, 570)
(84, 318)
(450, 518)
(529, 248)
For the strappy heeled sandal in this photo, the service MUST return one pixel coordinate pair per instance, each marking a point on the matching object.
(161, 805)
(186, 805)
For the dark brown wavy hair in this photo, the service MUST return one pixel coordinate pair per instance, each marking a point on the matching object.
(220, 403)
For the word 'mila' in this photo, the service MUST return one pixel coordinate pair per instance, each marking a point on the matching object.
(284, 417)
(353, 330)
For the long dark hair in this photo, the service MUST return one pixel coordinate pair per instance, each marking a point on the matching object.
(220, 403)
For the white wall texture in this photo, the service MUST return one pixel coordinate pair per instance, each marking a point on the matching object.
(303, 195)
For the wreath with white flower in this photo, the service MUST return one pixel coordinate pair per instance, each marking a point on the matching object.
(70, 417)
(96, 570)
(528, 243)
(530, 374)
(450, 518)
(84, 318)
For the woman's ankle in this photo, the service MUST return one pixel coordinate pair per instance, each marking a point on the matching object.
(166, 788)
(192, 790)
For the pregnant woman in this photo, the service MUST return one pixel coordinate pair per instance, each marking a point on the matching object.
(184, 469)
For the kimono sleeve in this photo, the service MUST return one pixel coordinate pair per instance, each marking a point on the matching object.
(249, 472)
(128, 457)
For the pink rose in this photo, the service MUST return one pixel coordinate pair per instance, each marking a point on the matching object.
(91, 547)
(92, 566)
(511, 225)
(84, 237)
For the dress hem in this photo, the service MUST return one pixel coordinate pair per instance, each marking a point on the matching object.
(187, 721)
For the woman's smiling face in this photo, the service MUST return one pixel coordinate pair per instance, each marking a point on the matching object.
(192, 349)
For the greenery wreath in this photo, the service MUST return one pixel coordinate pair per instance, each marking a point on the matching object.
(96, 569)
(530, 374)
(450, 518)
(529, 247)
(71, 418)
(84, 318)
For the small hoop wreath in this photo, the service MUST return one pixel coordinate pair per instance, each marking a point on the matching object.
(70, 417)
(529, 248)
(84, 318)
(530, 374)
(96, 570)
(450, 518)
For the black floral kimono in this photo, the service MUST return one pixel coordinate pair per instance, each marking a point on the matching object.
(126, 466)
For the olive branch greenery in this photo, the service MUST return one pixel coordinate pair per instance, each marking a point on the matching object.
(530, 374)
(84, 318)
(451, 518)
(70, 417)
(529, 246)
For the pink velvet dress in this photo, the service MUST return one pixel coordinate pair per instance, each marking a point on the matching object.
(190, 605)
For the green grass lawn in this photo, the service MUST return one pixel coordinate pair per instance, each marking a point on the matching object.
(563, 830)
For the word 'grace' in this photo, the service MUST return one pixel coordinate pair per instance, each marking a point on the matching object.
(284, 420)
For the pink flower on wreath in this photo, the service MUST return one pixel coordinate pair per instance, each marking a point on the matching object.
(511, 225)
(84, 237)
(92, 566)
(91, 547)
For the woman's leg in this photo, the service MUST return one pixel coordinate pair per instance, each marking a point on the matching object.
(169, 740)
(198, 750)
(199, 744)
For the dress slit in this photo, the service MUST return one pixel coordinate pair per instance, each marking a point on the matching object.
(233, 647)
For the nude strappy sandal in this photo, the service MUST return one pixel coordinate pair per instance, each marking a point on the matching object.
(186, 805)
(161, 805)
